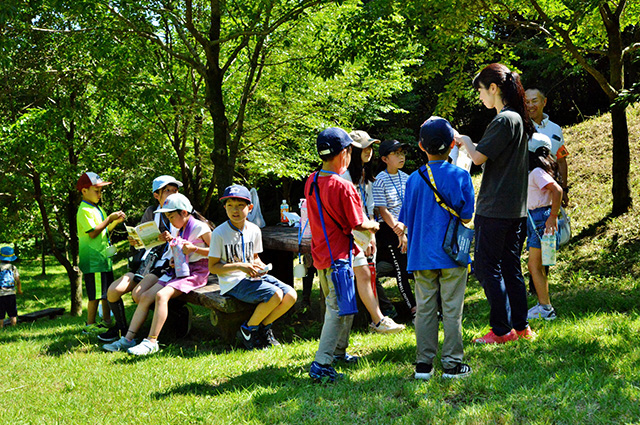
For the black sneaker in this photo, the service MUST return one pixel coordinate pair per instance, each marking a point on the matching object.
(423, 371)
(249, 338)
(113, 334)
(268, 339)
(458, 371)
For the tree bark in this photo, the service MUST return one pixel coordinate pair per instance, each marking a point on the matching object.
(621, 161)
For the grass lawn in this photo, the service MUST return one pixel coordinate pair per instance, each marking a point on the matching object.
(582, 369)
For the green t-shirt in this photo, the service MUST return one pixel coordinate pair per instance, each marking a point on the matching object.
(92, 251)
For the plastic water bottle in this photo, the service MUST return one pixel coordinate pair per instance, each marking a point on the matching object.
(284, 207)
(548, 248)
(304, 218)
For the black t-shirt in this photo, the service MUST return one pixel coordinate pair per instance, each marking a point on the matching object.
(503, 192)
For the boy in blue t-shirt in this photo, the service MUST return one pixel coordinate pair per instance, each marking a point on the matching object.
(434, 271)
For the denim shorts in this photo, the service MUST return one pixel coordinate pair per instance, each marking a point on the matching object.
(539, 216)
(259, 290)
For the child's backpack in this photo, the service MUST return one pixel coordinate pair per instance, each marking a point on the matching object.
(7, 280)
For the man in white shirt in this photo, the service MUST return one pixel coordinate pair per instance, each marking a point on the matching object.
(536, 101)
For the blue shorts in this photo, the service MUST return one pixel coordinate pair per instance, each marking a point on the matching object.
(539, 216)
(259, 290)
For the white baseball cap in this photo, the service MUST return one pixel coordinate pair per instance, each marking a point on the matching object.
(162, 181)
(539, 140)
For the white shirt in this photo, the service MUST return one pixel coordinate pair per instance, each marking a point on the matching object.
(552, 131)
(233, 246)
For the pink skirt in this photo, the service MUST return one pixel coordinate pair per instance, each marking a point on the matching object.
(198, 278)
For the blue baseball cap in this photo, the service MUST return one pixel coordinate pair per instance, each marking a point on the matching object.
(7, 254)
(174, 202)
(162, 181)
(236, 191)
(332, 141)
(436, 135)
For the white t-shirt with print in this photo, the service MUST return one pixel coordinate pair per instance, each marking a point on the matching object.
(233, 246)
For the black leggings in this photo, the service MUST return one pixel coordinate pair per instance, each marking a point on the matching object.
(387, 243)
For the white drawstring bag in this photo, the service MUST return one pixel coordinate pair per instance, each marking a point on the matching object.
(255, 215)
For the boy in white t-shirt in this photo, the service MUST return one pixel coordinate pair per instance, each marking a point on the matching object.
(233, 256)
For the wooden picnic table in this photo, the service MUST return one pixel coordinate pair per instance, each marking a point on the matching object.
(280, 245)
(284, 238)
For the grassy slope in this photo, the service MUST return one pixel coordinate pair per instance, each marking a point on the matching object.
(581, 369)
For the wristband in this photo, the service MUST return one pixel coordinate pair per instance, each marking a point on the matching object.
(553, 215)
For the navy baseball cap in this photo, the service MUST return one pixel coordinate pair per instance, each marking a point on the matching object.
(389, 146)
(236, 191)
(436, 135)
(332, 141)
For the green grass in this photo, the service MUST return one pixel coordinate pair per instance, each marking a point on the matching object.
(583, 368)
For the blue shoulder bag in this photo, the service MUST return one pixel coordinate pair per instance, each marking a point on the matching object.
(342, 274)
(457, 239)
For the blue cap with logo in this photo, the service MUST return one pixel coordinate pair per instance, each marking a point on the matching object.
(236, 191)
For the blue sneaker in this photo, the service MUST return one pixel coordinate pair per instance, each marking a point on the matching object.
(346, 358)
(320, 373)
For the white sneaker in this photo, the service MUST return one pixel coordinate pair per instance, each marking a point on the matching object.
(123, 344)
(539, 312)
(144, 348)
(387, 326)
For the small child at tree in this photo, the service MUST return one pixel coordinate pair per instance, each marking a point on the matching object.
(9, 286)
(233, 256)
(95, 249)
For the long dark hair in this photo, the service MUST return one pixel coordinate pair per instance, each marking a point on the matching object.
(542, 158)
(511, 88)
(356, 166)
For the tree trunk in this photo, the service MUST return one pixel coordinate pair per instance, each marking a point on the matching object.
(621, 161)
(75, 277)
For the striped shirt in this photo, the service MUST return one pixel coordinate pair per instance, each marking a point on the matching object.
(388, 191)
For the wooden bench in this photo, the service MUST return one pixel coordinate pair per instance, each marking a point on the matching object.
(51, 313)
(227, 313)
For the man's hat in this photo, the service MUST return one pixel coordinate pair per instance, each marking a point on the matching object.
(89, 179)
(162, 181)
(236, 191)
(332, 141)
(174, 202)
(436, 135)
